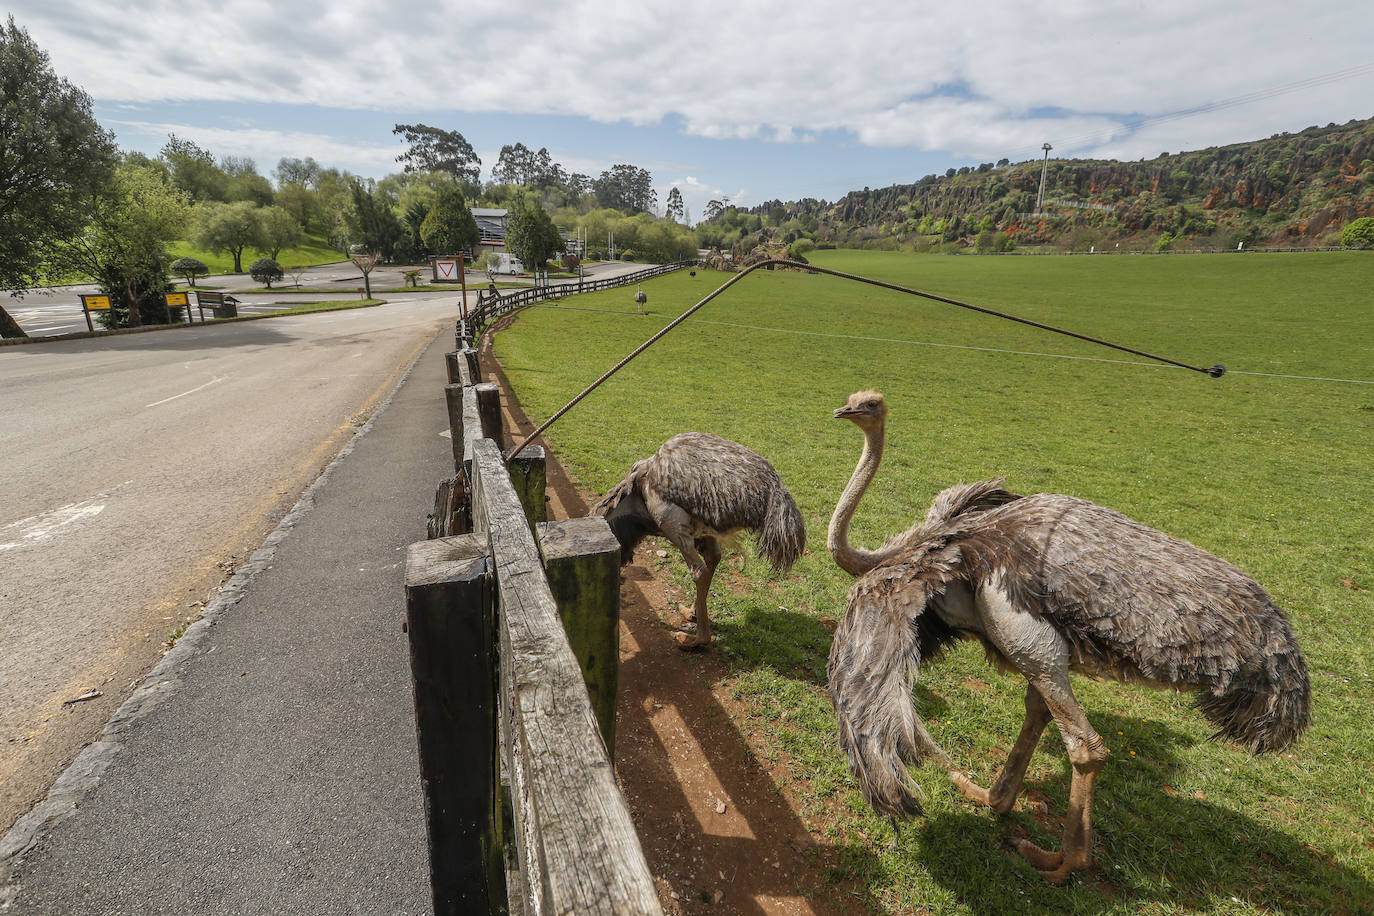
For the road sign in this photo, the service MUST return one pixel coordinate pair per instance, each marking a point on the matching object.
(446, 269)
(177, 299)
(93, 304)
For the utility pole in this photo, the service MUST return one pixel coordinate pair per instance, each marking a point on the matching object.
(1044, 170)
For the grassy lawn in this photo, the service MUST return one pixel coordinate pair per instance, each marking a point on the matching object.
(312, 251)
(1269, 467)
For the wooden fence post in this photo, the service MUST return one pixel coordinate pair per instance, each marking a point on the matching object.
(582, 563)
(451, 364)
(453, 396)
(450, 618)
(489, 409)
(529, 476)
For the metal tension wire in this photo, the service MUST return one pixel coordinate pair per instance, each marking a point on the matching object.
(1214, 371)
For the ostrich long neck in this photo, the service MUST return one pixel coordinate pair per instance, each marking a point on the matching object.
(855, 560)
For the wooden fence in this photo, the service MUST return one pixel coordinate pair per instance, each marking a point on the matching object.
(513, 625)
(493, 303)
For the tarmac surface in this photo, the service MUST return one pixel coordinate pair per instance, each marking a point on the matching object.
(268, 764)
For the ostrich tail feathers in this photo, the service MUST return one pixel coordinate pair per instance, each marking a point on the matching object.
(782, 537)
(1268, 713)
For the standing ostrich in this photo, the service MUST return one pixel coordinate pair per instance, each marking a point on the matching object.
(700, 491)
(1049, 584)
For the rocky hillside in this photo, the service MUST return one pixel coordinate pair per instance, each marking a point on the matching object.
(1293, 189)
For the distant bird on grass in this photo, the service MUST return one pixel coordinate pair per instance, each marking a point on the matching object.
(701, 491)
(1049, 584)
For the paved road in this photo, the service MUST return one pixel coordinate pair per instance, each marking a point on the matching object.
(55, 311)
(138, 470)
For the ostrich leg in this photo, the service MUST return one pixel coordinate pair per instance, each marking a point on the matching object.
(1001, 796)
(702, 574)
(1088, 755)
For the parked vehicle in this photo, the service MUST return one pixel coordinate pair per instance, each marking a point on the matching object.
(510, 264)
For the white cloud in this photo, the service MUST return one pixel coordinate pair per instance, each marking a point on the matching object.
(984, 79)
(266, 147)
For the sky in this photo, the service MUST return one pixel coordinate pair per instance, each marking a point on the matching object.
(739, 102)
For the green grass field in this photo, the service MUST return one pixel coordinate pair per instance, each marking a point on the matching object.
(312, 251)
(1269, 467)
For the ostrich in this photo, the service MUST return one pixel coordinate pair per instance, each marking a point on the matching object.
(1049, 584)
(700, 491)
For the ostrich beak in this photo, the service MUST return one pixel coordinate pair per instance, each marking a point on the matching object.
(845, 411)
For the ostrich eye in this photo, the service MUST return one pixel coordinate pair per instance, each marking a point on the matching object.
(871, 405)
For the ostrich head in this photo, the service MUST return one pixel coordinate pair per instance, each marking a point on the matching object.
(866, 409)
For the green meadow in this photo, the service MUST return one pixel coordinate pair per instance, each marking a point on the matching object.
(313, 250)
(1269, 467)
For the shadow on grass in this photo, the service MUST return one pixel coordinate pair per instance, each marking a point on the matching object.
(1154, 847)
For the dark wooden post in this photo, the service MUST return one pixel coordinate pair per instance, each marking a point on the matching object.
(451, 363)
(529, 476)
(489, 409)
(453, 395)
(450, 617)
(582, 563)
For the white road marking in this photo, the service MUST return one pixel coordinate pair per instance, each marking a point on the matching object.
(218, 378)
(44, 527)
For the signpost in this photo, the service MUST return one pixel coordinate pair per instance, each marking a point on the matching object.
(449, 269)
(93, 304)
(178, 301)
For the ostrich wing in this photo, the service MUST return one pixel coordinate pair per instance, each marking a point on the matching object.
(873, 663)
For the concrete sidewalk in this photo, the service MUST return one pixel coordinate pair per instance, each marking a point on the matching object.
(268, 765)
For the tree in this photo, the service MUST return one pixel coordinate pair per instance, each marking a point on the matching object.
(124, 244)
(531, 235)
(366, 261)
(627, 188)
(189, 268)
(53, 156)
(714, 208)
(675, 207)
(229, 227)
(194, 170)
(265, 270)
(436, 150)
(296, 171)
(374, 227)
(449, 227)
(1359, 233)
(277, 229)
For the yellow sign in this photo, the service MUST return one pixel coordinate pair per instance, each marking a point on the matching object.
(176, 299)
(95, 303)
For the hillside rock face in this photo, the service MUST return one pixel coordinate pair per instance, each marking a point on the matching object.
(1291, 189)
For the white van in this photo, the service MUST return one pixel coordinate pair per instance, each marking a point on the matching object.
(510, 264)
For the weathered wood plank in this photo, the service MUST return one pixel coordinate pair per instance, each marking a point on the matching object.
(576, 836)
(450, 515)
(489, 408)
(582, 563)
(453, 397)
(529, 476)
(450, 619)
(469, 370)
(451, 360)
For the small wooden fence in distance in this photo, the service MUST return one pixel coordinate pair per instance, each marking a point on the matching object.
(492, 303)
(513, 625)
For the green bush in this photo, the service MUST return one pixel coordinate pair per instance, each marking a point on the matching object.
(265, 270)
(1359, 234)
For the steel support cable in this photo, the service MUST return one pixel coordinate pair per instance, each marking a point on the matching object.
(1214, 371)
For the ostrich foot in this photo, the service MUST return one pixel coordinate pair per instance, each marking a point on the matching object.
(689, 641)
(972, 791)
(1051, 865)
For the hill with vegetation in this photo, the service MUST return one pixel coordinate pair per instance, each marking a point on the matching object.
(1290, 190)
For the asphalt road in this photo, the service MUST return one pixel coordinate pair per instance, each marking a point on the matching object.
(49, 312)
(139, 469)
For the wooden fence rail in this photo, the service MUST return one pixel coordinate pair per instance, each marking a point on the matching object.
(511, 625)
(492, 303)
